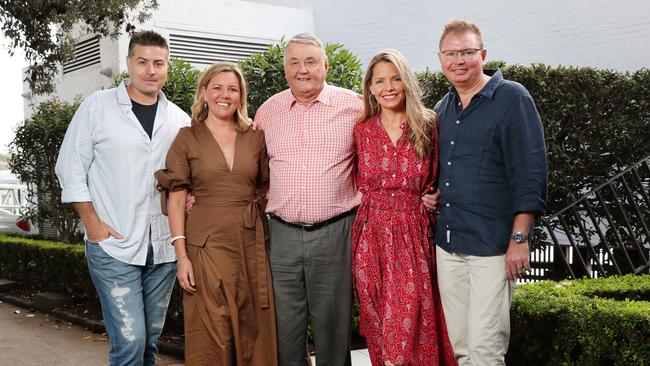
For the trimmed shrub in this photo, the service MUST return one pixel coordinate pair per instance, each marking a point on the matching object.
(43, 265)
(584, 322)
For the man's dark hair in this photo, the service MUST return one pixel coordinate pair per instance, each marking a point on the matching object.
(147, 38)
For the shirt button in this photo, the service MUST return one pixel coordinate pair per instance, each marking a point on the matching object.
(393, 175)
(392, 194)
(447, 184)
(458, 122)
(394, 154)
(447, 205)
(449, 163)
(452, 142)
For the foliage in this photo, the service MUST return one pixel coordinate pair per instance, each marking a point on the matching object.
(595, 122)
(45, 265)
(586, 322)
(265, 72)
(181, 83)
(33, 154)
(44, 29)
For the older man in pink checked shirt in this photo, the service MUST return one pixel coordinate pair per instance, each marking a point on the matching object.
(312, 204)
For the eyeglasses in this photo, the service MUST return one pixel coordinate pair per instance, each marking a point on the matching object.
(465, 54)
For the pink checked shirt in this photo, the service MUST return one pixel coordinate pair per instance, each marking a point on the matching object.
(311, 152)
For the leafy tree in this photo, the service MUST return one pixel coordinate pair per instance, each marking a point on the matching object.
(43, 29)
(33, 154)
(265, 72)
(181, 83)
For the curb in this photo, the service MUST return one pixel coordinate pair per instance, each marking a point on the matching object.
(94, 326)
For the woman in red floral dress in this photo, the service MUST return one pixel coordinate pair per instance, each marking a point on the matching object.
(393, 254)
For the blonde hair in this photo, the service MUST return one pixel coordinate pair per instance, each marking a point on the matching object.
(421, 120)
(200, 108)
(460, 26)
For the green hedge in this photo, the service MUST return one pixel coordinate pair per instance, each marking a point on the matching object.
(46, 265)
(43, 265)
(583, 322)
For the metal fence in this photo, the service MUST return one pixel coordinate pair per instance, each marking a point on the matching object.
(605, 232)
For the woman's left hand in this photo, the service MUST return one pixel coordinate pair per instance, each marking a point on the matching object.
(430, 200)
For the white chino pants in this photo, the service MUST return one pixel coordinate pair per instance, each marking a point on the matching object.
(476, 296)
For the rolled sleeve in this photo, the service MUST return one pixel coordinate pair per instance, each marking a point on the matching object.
(176, 176)
(525, 156)
(76, 155)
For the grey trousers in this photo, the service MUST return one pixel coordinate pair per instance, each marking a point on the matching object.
(312, 279)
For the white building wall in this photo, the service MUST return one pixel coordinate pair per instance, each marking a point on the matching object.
(80, 83)
(599, 33)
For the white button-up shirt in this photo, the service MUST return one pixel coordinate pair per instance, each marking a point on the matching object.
(108, 159)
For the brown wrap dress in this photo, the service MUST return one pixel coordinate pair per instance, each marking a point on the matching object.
(230, 320)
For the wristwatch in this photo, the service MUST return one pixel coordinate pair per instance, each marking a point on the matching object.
(519, 237)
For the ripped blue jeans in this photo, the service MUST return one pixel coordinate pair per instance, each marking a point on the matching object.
(134, 303)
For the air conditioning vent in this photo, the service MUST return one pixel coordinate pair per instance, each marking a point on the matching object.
(206, 51)
(86, 53)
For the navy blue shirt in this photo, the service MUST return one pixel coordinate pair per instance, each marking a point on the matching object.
(492, 167)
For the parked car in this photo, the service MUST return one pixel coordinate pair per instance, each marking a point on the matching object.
(10, 223)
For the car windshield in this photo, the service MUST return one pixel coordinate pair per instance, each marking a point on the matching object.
(12, 197)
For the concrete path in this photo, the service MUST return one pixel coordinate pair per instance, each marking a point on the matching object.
(35, 339)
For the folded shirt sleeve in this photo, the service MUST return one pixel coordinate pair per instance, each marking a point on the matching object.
(76, 154)
(176, 175)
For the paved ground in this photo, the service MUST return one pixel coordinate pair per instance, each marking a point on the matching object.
(34, 339)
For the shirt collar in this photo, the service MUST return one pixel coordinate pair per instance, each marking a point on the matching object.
(325, 97)
(496, 79)
(123, 95)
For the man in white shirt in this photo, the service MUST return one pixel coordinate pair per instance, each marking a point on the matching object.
(117, 139)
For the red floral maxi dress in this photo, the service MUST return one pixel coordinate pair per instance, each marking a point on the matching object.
(393, 260)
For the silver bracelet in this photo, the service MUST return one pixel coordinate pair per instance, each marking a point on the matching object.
(176, 238)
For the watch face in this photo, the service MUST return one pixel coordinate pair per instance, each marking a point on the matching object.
(518, 237)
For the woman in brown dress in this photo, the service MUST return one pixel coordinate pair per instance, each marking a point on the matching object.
(221, 245)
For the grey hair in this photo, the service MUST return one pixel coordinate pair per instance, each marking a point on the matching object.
(306, 38)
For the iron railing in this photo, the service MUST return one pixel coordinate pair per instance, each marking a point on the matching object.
(603, 233)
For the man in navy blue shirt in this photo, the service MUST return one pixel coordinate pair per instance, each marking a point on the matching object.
(493, 177)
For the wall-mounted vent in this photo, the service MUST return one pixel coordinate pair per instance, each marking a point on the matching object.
(86, 53)
(206, 51)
